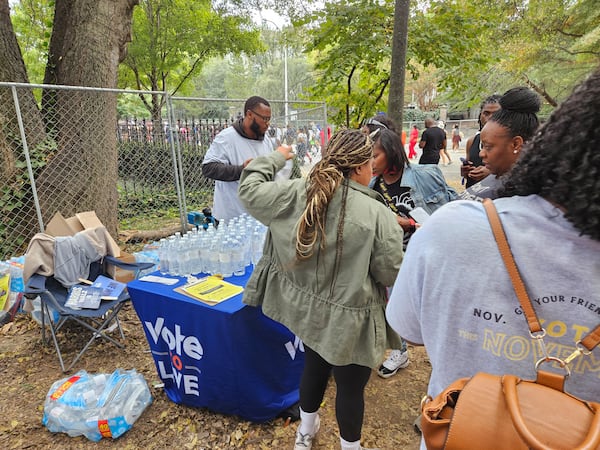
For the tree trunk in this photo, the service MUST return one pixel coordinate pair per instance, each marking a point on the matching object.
(12, 67)
(18, 217)
(397, 72)
(88, 41)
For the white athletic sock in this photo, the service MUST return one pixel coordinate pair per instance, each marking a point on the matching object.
(307, 422)
(349, 445)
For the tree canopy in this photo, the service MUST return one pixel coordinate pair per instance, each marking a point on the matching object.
(474, 47)
(172, 39)
(457, 50)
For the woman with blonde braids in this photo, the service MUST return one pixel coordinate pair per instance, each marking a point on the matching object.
(332, 248)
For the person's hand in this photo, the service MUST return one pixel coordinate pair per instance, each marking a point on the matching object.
(466, 169)
(286, 151)
(248, 161)
(479, 173)
(407, 224)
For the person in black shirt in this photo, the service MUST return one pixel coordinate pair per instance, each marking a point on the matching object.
(433, 140)
(474, 170)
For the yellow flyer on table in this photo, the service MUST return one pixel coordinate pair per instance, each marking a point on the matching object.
(212, 290)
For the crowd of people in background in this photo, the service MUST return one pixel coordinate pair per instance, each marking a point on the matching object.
(370, 252)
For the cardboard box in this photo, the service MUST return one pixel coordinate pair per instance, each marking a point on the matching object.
(59, 226)
(122, 275)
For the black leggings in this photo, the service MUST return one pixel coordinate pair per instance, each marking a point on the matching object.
(349, 400)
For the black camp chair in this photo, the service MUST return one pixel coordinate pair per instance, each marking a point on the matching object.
(53, 296)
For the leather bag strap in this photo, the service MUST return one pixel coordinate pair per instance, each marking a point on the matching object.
(589, 342)
(515, 277)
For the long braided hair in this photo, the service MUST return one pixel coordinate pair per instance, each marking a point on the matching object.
(346, 150)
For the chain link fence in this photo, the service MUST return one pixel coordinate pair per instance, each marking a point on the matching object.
(134, 157)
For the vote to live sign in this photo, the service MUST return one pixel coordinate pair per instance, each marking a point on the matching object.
(179, 345)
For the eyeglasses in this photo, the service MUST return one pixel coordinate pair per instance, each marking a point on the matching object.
(377, 123)
(266, 119)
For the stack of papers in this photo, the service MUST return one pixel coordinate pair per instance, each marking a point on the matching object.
(81, 296)
(89, 296)
(211, 290)
(111, 289)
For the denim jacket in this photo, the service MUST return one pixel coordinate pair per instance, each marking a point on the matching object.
(428, 187)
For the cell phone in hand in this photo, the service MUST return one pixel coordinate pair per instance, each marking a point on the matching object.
(465, 162)
(419, 214)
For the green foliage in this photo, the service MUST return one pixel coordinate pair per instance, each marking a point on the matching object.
(16, 196)
(352, 47)
(475, 48)
(172, 39)
(414, 115)
(32, 22)
(549, 45)
(148, 208)
(127, 106)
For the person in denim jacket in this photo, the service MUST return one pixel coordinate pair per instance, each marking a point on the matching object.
(404, 187)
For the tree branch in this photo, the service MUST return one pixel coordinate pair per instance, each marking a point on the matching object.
(540, 90)
(199, 59)
(585, 52)
(349, 91)
(564, 33)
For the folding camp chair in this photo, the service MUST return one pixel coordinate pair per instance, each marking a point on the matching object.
(53, 296)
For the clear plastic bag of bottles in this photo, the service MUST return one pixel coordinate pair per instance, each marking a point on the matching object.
(96, 406)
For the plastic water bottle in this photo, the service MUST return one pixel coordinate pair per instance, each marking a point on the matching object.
(183, 253)
(225, 253)
(149, 254)
(237, 258)
(88, 404)
(173, 256)
(17, 285)
(203, 251)
(258, 238)
(163, 256)
(135, 403)
(194, 252)
(214, 263)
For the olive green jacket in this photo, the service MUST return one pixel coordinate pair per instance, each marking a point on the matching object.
(341, 317)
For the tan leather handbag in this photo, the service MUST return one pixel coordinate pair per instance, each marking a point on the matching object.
(505, 412)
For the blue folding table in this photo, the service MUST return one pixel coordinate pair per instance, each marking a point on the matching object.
(229, 358)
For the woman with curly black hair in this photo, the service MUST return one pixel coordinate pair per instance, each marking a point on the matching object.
(550, 213)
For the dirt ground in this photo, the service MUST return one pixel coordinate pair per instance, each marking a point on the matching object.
(28, 369)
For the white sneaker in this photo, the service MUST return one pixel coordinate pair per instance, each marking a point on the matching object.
(305, 441)
(396, 361)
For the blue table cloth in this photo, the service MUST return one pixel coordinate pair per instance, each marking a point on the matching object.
(229, 358)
